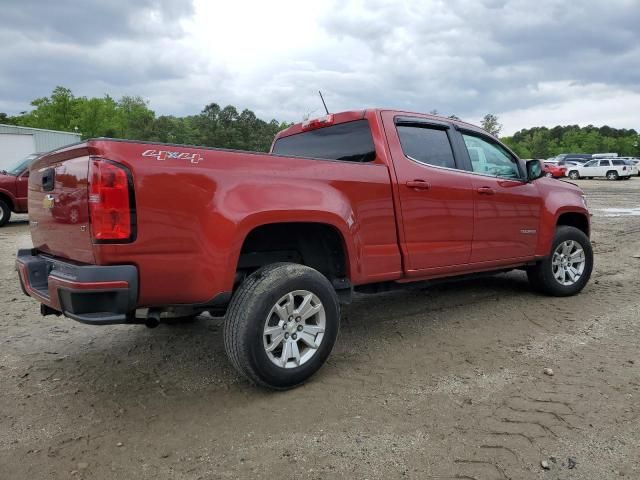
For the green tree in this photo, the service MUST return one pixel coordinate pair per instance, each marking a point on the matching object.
(490, 123)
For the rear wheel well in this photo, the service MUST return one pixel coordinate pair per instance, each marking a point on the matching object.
(576, 220)
(316, 245)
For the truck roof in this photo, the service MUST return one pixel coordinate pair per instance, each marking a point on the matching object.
(351, 115)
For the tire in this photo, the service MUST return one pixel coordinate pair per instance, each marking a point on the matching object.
(589, 178)
(612, 175)
(262, 303)
(574, 175)
(548, 174)
(541, 276)
(5, 213)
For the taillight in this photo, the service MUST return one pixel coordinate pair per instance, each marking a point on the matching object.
(111, 203)
(318, 123)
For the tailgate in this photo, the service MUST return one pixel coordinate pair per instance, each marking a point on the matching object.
(58, 204)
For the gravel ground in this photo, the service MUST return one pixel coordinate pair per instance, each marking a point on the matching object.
(446, 382)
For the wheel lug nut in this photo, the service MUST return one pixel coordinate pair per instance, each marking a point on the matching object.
(294, 336)
(298, 319)
(291, 318)
(299, 328)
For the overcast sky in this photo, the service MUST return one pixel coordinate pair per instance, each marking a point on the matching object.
(542, 62)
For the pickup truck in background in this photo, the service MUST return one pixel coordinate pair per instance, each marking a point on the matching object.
(357, 201)
(13, 188)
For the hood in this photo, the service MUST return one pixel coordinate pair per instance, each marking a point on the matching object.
(7, 180)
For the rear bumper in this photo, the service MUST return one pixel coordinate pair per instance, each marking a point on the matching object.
(94, 294)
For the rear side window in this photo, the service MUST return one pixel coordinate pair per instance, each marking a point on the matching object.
(426, 145)
(618, 162)
(350, 141)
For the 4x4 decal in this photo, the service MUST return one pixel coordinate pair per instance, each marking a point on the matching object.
(167, 155)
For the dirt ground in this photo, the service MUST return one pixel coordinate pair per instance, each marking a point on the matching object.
(442, 383)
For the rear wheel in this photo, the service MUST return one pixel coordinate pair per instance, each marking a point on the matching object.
(281, 325)
(568, 269)
(612, 175)
(574, 175)
(548, 174)
(5, 213)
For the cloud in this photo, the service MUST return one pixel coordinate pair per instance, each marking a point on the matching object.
(532, 63)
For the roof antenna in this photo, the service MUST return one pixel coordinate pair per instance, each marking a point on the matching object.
(325, 105)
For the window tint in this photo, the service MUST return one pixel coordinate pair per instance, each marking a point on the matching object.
(604, 163)
(618, 162)
(350, 141)
(426, 145)
(489, 158)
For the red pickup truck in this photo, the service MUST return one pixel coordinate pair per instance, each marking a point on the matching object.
(13, 188)
(355, 201)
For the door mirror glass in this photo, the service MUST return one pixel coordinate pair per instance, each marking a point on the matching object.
(534, 170)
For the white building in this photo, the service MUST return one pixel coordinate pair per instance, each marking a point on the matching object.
(18, 142)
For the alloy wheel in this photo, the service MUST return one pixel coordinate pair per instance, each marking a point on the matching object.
(568, 262)
(294, 329)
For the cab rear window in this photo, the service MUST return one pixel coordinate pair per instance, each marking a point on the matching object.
(349, 141)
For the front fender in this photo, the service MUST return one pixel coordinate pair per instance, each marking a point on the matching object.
(557, 203)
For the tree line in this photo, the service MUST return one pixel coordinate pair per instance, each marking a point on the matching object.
(543, 142)
(131, 118)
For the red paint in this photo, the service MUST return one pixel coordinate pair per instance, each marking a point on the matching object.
(399, 220)
(556, 171)
(13, 190)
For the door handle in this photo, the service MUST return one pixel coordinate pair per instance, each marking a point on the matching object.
(418, 184)
(486, 191)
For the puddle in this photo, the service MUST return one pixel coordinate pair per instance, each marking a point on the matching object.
(620, 212)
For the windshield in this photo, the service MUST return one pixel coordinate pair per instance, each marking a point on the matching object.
(18, 167)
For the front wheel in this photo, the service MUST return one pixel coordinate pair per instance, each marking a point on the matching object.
(574, 175)
(567, 270)
(281, 325)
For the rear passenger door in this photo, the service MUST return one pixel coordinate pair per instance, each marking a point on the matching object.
(435, 195)
(604, 167)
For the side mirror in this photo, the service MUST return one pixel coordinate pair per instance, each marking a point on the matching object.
(534, 170)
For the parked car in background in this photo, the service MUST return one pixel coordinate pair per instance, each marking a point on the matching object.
(573, 157)
(601, 168)
(554, 170)
(13, 188)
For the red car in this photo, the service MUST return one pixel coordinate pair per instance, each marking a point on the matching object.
(357, 201)
(13, 188)
(554, 171)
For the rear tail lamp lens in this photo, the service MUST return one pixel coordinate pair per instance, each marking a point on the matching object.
(111, 202)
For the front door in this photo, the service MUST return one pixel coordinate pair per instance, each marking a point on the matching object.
(22, 183)
(507, 207)
(436, 198)
(590, 169)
